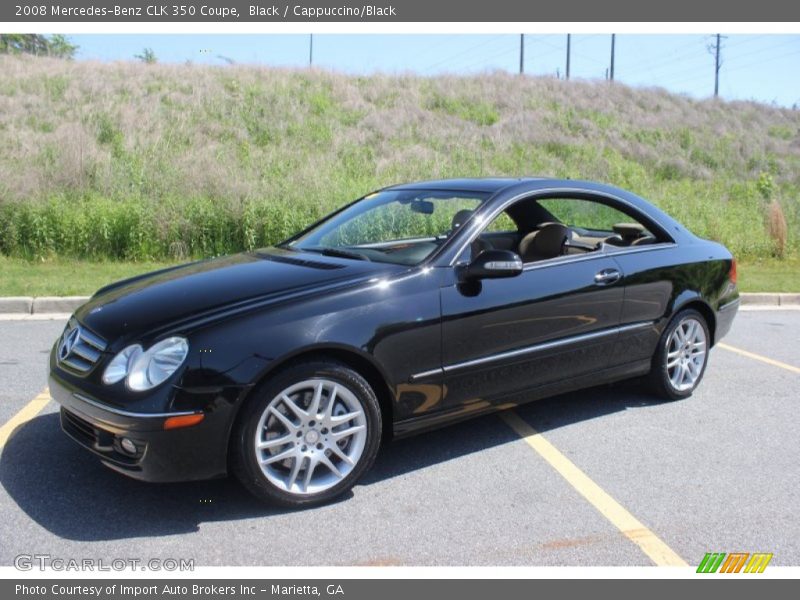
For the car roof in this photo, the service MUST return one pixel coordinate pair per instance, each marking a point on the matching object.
(474, 184)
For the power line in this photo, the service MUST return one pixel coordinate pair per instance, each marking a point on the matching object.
(760, 62)
(647, 64)
(793, 40)
(680, 77)
(585, 38)
(745, 40)
(429, 49)
(675, 59)
(464, 52)
(598, 61)
(532, 43)
(683, 80)
(504, 52)
(484, 57)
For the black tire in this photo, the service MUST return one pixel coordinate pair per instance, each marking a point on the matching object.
(244, 463)
(659, 379)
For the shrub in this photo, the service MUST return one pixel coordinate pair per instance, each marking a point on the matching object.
(776, 226)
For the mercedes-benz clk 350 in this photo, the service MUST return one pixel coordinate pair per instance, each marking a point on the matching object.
(415, 306)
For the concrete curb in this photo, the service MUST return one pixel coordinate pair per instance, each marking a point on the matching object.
(56, 304)
(22, 305)
(770, 299)
(16, 304)
(42, 304)
(762, 299)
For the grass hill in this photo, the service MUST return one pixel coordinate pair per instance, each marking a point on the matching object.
(141, 162)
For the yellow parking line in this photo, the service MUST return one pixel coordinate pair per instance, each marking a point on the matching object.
(764, 359)
(30, 410)
(661, 554)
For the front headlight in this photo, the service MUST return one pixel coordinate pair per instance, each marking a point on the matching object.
(144, 370)
(119, 366)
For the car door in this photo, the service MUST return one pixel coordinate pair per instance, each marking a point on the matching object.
(552, 322)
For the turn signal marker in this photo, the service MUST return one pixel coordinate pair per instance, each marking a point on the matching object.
(183, 421)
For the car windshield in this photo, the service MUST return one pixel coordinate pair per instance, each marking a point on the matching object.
(395, 226)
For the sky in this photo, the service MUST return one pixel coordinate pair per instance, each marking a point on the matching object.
(763, 67)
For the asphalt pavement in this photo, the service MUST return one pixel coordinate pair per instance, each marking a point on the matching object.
(718, 472)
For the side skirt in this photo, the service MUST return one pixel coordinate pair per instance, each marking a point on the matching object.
(479, 407)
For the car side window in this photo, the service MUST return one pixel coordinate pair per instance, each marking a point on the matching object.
(502, 233)
(559, 226)
(582, 214)
(501, 224)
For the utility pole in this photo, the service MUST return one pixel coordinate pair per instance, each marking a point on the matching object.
(310, 49)
(716, 50)
(569, 39)
(521, 53)
(611, 70)
(716, 69)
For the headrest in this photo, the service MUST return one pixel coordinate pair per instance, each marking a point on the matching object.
(460, 218)
(550, 239)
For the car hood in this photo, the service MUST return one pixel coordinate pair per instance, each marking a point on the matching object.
(176, 298)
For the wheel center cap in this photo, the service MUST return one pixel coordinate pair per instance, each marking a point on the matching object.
(312, 437)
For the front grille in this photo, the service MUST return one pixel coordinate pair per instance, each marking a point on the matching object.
(79, 349)
(81, 430)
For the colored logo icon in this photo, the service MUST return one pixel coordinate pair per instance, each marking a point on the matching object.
(735, 562)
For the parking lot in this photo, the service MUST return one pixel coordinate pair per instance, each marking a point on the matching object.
(613, 477)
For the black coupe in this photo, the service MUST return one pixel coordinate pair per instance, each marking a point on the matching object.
(410, 308)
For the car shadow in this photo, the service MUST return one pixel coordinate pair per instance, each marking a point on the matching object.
(68, 492)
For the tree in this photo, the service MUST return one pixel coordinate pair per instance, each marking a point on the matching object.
(147, 56)
(61, 47)
(57, 45)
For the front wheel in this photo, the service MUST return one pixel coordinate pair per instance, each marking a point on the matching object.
(681, 357)
(307, 435)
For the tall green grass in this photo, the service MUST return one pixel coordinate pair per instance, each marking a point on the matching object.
(139, 162)
(102, 228)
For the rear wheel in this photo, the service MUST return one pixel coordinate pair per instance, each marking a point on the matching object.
(681, 357)
(307, 435)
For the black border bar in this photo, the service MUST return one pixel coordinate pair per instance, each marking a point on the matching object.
(441, 11)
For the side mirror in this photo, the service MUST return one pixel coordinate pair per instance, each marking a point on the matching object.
(493, 264)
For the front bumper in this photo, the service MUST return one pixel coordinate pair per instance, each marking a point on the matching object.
(191, 453)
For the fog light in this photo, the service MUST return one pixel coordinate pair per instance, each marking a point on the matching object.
(128, 446)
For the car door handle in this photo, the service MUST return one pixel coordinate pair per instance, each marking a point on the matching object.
(607, 277)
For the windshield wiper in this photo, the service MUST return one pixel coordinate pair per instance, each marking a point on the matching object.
(345, 253)
(341, 252)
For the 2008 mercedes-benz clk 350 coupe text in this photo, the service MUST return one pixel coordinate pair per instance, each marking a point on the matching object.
(415, 306)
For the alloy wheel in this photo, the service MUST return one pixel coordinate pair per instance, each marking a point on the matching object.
(310, 436)
(686, 354)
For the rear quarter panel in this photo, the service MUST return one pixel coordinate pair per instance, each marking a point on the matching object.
(661, 280)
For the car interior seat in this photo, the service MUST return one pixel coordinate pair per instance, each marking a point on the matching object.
(546, 242)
